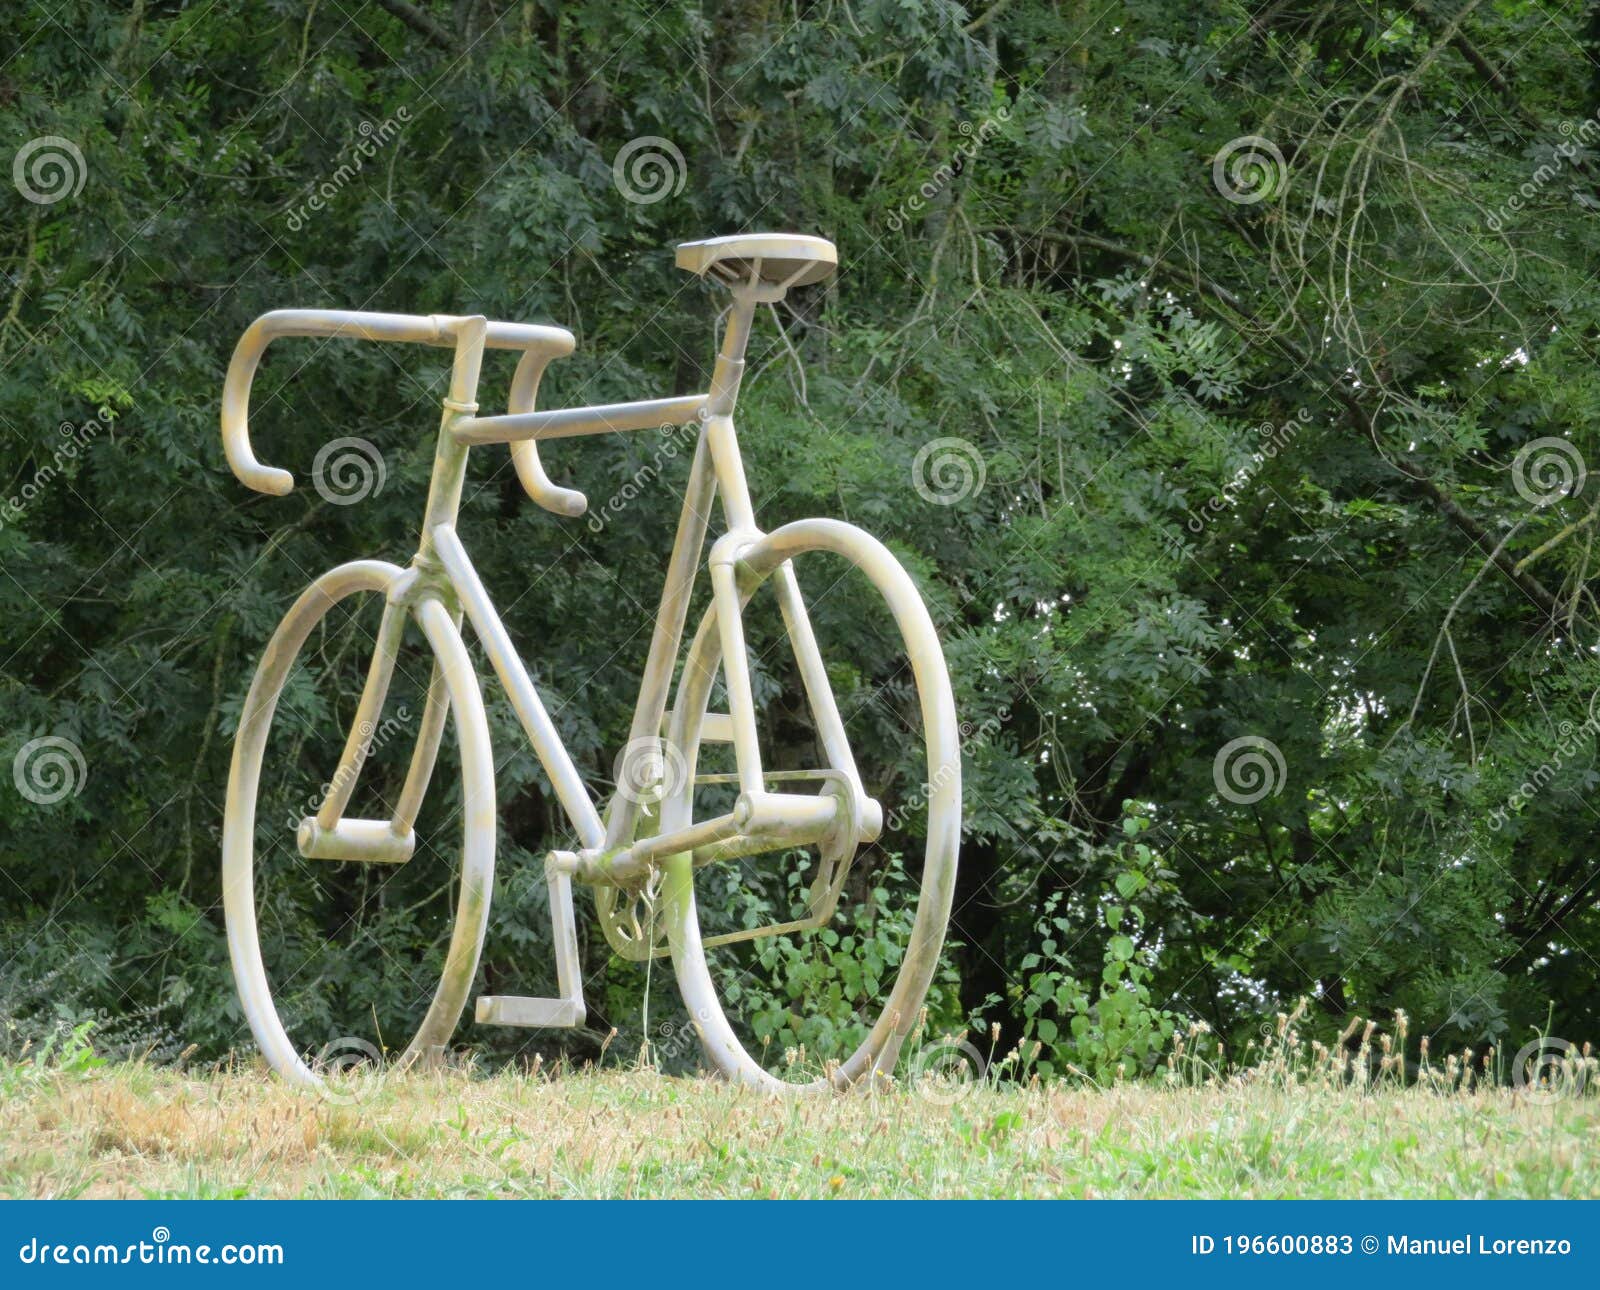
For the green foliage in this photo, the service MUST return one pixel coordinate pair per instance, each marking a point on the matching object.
(1258, 469)
(1110, 1026)
(821, 995)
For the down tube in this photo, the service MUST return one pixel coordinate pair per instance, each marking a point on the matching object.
(541, 731)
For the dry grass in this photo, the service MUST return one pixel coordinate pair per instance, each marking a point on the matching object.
(135, 1130)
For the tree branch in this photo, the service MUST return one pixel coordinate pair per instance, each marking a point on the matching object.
(421, 23)
(1490, 74)
(1360, 418)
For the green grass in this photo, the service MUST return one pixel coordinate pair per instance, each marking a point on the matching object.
(133, 1130)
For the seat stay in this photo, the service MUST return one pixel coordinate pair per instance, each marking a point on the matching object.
(736, 676)
(814, 677)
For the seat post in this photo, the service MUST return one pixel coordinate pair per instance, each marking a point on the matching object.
(729, 369)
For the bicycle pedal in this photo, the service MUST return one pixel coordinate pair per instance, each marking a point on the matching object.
(525, 1010)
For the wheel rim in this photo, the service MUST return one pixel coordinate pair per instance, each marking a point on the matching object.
(238, 845)
(880, 1049)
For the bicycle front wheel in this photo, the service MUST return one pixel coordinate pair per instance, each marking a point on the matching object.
(849, 998)
(320, 915)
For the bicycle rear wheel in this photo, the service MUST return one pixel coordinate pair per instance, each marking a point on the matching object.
(928, 807)
(453, 690)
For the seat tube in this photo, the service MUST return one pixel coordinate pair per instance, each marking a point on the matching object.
(741, 521)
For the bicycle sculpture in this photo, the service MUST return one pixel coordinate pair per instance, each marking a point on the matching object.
(639, 848)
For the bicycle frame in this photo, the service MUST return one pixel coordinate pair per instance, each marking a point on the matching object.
(441, 578)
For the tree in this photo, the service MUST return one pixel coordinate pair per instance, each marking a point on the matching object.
(1223, 372)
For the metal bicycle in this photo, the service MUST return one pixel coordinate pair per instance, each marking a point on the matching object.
(644, 841)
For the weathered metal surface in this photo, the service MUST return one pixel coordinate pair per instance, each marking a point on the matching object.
(423, 329)
(522, 1010)
(641, 855)
(370, 841)
(238, 840)
(568, 423)
(878, 1050)
(775, 259)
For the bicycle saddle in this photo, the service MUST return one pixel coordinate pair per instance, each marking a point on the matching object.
(789, 259)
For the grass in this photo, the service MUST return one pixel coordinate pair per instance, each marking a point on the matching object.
(135, 1130)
